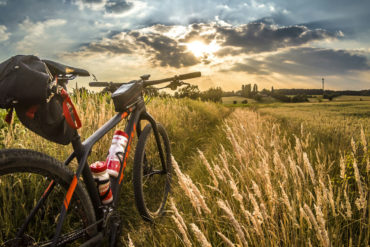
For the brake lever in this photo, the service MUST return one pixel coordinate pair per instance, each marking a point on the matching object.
(176, 83)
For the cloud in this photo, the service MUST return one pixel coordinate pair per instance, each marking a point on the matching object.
(306, 62)
(261, 37)
(165, 50)
(4, 35)
(108, 6)
(117, 6)
(159, 49)
(116, 45)
(252, 67)
(39, 36)
(3, 2)
(165, 45)
(96, 5)
(182, 12)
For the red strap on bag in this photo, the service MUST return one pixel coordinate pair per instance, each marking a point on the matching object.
(67, 108)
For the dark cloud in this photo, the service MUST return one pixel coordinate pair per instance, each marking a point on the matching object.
(113, 48)
(198, 32)
(253, 67)
(166, 51)
(161, 50)
(117, 6)
(92, 1)
(252, 38)
(229, 51)
(261, 37)
(307, 62)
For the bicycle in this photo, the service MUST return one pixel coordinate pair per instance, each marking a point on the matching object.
(65, 209)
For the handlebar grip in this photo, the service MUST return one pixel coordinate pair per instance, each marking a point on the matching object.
(98, 84)
(189, 76)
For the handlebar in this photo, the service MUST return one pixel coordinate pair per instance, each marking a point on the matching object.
(100, 84)
(151, 82)
(178, 77)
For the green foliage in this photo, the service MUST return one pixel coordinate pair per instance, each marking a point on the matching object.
(212, 94)
(191, 91)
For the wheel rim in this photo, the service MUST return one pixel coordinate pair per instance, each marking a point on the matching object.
(19, 193)
(155, 179)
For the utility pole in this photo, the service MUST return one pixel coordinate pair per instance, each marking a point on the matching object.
(323, 88)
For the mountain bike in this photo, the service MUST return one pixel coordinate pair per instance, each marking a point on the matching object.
(45, 203)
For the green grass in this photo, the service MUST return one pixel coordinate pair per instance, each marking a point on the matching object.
(352, 98)
(238, 99)
(263, 144)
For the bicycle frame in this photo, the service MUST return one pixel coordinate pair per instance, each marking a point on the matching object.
(81, 150)
(135, 113)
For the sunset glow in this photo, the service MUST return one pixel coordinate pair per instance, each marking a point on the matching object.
(276, 43)
(199, 49)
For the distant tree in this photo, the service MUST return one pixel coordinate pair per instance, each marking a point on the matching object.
(281, 97)
(272, 89)
(191, 91)
(245, 101)
(265, 91)
(255, 88)
(234, 102)
(330, 96)
(299, 98)
(246, 90)
(212, 94)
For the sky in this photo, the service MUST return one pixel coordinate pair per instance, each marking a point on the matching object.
(279, 43)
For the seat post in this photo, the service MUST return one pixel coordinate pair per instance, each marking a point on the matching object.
(77, 145)
(63, 83)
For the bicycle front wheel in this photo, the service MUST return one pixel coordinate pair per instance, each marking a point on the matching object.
(25, 177)
(151, 175)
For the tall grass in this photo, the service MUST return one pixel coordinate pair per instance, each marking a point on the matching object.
(251, 180)
(189, 124)
(268, 189)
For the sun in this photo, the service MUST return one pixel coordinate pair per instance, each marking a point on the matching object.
(199, 49)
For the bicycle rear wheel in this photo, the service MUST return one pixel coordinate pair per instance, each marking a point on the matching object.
(151, 178)
(24, 178)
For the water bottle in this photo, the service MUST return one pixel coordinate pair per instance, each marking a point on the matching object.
(118, 146)
(101, 177)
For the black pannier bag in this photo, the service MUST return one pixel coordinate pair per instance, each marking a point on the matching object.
(47, 120)
(23, 79)
(43, 107)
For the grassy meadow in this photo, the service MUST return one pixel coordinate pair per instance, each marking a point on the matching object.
(270, 175)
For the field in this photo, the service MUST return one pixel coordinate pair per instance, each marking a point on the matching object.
(273, 175)
(352, 98)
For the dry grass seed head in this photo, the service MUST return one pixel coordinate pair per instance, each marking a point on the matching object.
(200, 236)
(226, 240)
(231, 217)
(322, 229)
(309, 168)
(130, 243)
(182, 231)
(209, 168)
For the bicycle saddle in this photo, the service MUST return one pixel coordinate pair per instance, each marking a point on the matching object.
(61, 69)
